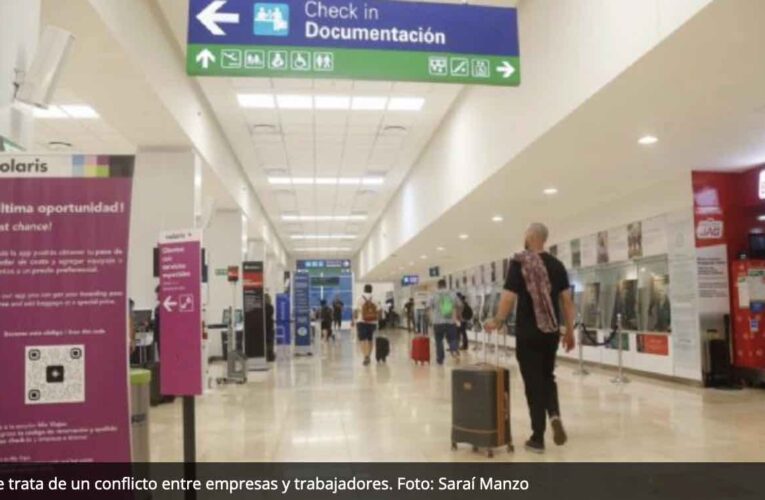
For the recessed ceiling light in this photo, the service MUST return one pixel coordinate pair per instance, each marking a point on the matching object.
(323, 218)
(411, 264)
(279, 181)
(259, 101)
(423, 257)
(373, 181)
(369, 103)
(327, 102)
(79, 111)
(323, 237)
(51, 112)
(406, 104)
(294, 101)
(550, 191)
(303, 181)
(326, 181)
(440, 249)
(761, 218)
(323, 249)
(647, 140)
(464, 236)
(497, 218)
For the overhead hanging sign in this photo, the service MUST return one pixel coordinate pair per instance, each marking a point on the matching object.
(354, 39)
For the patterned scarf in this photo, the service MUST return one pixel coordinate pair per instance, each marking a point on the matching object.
(538, 284)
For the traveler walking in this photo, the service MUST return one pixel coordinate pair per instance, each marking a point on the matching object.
(337, 312)
(467, 317)
(270, 330)
(365, 317)
(326, 317)
(539, 283)
(409, 313)
(446, 311)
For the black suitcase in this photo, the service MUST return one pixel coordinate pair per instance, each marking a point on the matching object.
(382, 348)
(481, 407)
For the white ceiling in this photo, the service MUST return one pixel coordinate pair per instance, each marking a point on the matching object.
(702, 92)
(319, 143)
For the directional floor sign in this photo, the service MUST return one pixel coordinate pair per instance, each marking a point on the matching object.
(180, 294)
(354, 39)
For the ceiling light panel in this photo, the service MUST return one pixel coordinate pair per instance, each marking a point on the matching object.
(369, 103)
(52, 112)
(338, 103)
(79, 111)
(256, 101)
(406, 104)
(300, 102)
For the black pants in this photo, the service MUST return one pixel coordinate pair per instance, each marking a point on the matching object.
(338, 321)
(463, 335)
(536, 354)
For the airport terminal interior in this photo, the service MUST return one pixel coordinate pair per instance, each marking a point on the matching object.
(328, 230)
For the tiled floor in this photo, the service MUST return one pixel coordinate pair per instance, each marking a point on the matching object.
(331, 408)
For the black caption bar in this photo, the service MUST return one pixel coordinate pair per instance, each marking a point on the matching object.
(370, 481)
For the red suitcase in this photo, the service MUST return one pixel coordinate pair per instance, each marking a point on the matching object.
(421, 349)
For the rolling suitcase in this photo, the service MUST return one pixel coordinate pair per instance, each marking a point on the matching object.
(382, 348)
(481, 406)
(421, 349)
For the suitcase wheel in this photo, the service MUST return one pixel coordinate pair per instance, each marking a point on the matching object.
(490, 453)
(454, 446)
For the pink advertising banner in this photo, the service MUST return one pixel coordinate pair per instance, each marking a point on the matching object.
(180, 295)
(64, 223)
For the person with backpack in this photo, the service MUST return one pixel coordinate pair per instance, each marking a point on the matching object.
(337, 311)
(446, 311)
(366, 317)
(540, 285)
(327, 317)
(467, 317)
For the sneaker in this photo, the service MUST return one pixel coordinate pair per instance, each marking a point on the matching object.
(367, 361)
(535, 446)
(559, 433)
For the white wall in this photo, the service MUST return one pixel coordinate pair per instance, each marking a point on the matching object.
(592, 43)
(164, 198)
(18, 40)
(222, 240)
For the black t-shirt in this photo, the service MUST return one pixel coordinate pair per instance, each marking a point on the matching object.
(525, 320)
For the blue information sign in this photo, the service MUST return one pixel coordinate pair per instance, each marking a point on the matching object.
(283, 319)
(302, 306)
(358, 39)
(410, 280)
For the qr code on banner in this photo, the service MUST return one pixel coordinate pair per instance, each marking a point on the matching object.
(55, 374)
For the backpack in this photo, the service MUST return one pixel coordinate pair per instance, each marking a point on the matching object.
(446, 305)
(326, 314)
(369, 311)
(467, 312)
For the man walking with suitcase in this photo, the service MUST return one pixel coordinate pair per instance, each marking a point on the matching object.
(446, 312)
(366, 317)
(538, 282)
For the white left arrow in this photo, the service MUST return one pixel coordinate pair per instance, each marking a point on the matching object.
(169, 304)
(506, 69)
(211, 17)
(205, 58)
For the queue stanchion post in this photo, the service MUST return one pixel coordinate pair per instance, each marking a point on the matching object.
(620, 378)
(581, 370)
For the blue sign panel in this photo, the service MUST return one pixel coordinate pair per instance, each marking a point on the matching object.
(410, 280)
(301, 290)
(323, 264)
(283, 319)
(357, 24)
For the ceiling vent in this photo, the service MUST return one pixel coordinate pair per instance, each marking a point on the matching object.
(394, 131)
(265, 129)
